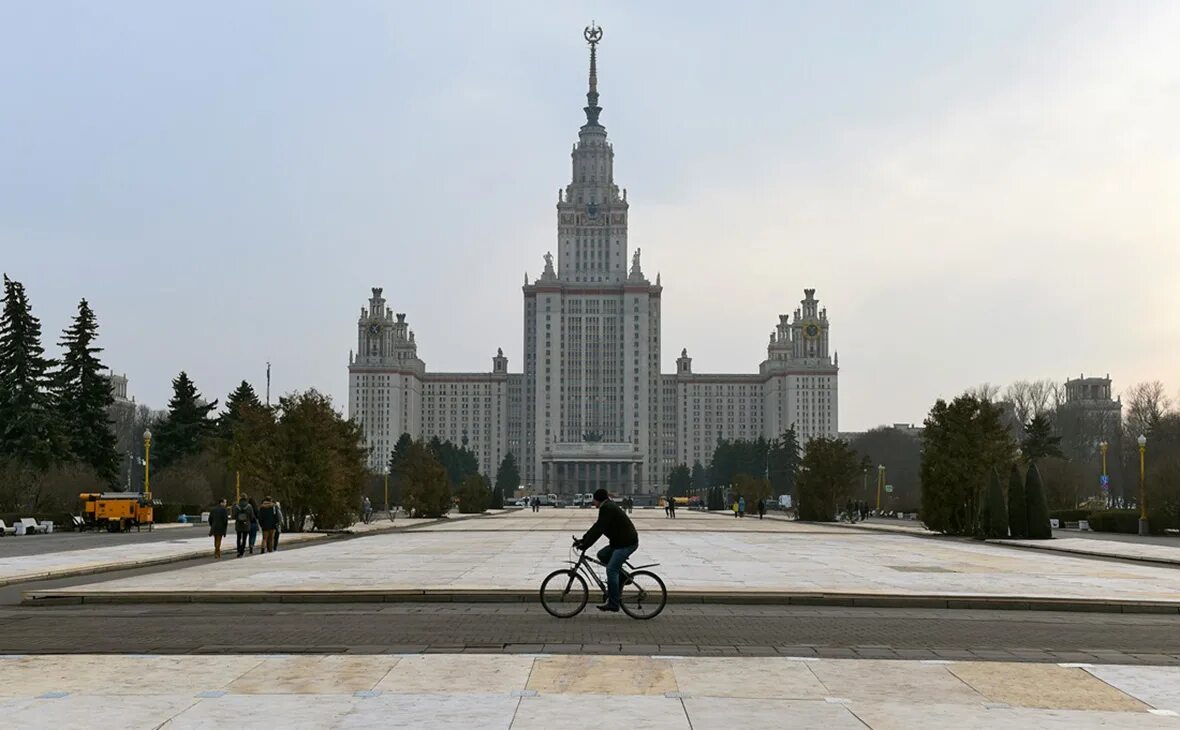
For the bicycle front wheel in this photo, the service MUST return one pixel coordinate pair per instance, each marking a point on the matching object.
(564, 593)
(644, 595)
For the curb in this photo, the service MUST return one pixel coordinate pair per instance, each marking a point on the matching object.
(1049, 547)
(66, 596)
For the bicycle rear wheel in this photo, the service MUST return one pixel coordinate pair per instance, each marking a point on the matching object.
(644, 595)
(564, 593)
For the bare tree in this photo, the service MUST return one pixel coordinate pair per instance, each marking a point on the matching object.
(984, 391)
(1042, 397)
(1020, 396)
(1145, 404)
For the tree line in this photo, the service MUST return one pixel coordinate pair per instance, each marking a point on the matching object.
(429, 477)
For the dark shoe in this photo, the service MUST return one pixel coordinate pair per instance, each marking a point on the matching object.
(608, 606)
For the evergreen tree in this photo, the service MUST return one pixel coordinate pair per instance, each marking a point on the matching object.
(1038, 506)
(993, 522)
(783, 464)
(425, 489)
(679, 481)
(187, 427)
(700, 476)
(507, 478)
(1039, 441)
(84, 397)
(1017, 505)
(242, 397)
(828, 470)
(399, 450)
(30, 426)
(962, 442)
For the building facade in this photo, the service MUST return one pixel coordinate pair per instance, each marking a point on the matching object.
(591, 408)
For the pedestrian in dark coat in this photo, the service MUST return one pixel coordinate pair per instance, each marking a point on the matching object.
(243, 518)
(267, 519)
(218, 526)
(253, 524)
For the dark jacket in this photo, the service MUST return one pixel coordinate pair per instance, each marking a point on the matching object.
(243, 516)
(615, 524)
(267, 518)
(218, 520)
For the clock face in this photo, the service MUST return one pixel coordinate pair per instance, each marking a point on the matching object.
(374, 329)
(592, 210)
(811, 330)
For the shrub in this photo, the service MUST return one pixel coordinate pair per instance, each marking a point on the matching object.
(1017, 506)
(993, 522)
(1038, 506)
(474, 495)
(1116, 520)
(1070, 515)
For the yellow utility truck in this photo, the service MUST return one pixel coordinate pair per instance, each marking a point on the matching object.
(117, 511)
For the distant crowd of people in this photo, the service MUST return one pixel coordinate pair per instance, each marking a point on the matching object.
(249, 519)
(739, 507)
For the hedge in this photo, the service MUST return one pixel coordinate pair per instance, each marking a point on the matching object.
(1116, 520)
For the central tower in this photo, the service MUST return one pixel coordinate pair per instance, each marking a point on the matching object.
(592, 335)
(591, 213)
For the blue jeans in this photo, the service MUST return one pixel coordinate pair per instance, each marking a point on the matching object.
(614, 558)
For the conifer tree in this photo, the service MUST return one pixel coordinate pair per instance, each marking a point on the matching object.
(507, 476)
(30, 425)
(84, 397)
(186, 428)
(241, 398)
(1039, 527)
(1039, 441)
(1017, 505)
(993, 522)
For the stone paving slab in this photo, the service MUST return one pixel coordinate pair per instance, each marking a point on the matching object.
(511, 554)
(23, 568)
(544, 691)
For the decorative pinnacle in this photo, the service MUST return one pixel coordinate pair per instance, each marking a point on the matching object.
(593, 35)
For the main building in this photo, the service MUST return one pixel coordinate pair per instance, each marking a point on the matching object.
(591, 407)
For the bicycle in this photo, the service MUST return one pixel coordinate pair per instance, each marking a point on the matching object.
(565, 592)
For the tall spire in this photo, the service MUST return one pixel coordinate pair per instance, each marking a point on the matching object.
(593, 34)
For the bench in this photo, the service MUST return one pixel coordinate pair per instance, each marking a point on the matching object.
(26, 526)
(5, 529)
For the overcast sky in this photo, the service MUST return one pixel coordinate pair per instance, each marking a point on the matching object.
(978, 191)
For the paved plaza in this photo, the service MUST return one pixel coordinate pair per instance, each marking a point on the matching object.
(699, 555)
(547, 691)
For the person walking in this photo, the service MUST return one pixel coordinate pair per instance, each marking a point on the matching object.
(253, 523)
(278, 524)
(672, 507)
(741, 506)
(218, 525)
(735, 509)
(243, 517)
(761, 508)
(266, 522)
(366, 510)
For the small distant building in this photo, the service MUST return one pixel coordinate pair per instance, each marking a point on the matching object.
(1089, 416)
(119, 387)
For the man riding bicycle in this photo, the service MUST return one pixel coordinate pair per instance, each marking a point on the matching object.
(624, 540)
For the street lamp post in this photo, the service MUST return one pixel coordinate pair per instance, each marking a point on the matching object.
(880, 483)
(1102, 447)
(865, 484)
(147, 464)
(387, 491)
(1143, 524)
